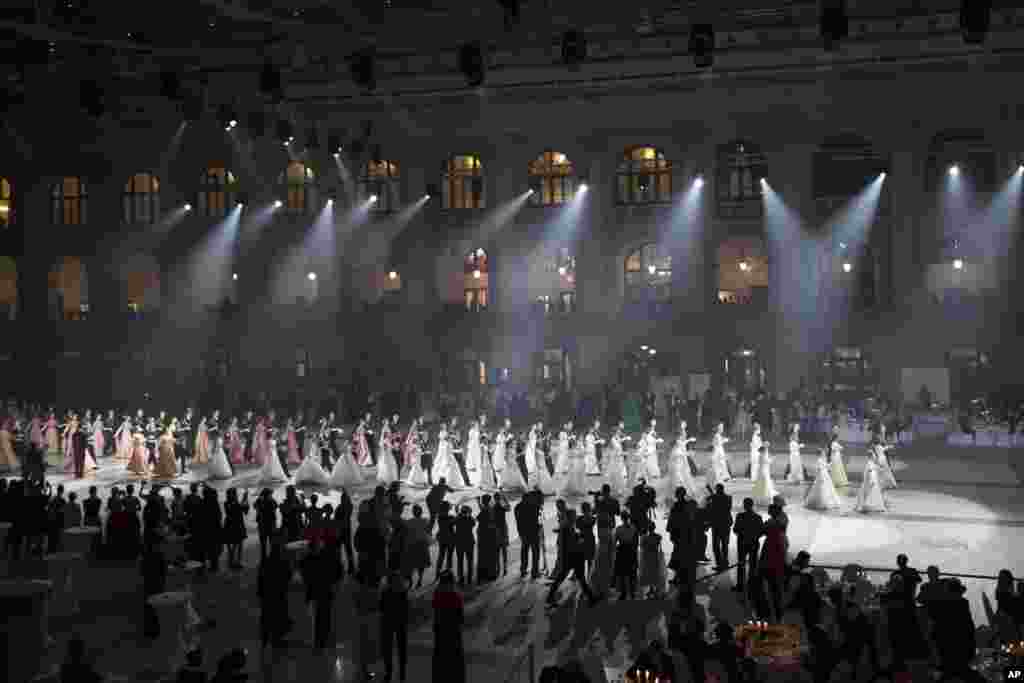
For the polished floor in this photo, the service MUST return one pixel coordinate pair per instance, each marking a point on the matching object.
(958, 508)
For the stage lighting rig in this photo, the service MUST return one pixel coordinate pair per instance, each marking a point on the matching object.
(228, 117)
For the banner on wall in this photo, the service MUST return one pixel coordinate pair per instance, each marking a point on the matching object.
(700, 382)
(935, 379)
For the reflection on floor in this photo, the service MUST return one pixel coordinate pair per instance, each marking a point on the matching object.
(960, 509)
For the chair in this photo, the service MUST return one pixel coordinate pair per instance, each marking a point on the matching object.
(852, 573)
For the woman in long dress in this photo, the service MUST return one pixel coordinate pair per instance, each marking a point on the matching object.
(54, 454)
(795, 469)
(838, 469)
(8, 460)
(764, 487)
(755, 449)
(99, 441)
(412, 453)
(123, 439)
(823, 494)
(201, 448)
(545, 483)
(362, 446)
(261, 442)
(488, 473)
(870, 497)
(649, 451)
(718, 470)
(271, 472)
(615, 463)
(679, 467)
(294, 456)
(473, 454)
(590, 443)
(530, 456)
(885, 475)
(220, 466)
(70, 427)
(35, 433)
(576, 479)
(511, 475)
(236, 449)
(311, 471)
(166, 462)
(445, 464)
(387, 468)
(562, 450)
(139, 458)
(346, 474)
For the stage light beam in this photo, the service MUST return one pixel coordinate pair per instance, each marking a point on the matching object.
(188, 207)
(954, 170)
(958, 264)
(311, 277)
(847, 267)
(278, 204)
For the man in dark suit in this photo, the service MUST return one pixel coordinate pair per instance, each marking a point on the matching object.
(720, 518)
(749, 528)
(78, 445)
(527, 514)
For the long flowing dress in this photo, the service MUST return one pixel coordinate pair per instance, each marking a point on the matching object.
(679, 465)
(387, 468)
(651, 457)
(719, 467)
(562, 453)
(201, 451)
(512, 476)
(615, 466)
(123, 436)
(219, 468)
(363, 458)
(445, 464)
(795, 473)
(346, 473)
(473, 457)
(311, 472)
(885, 475)
(54, 454)
(236, 449)
(271, 472)
(166, 463)
(545, 482)
(576, 480)
(838, 469)
(98, 440)
(488, 474)
(7, 457)
(417, 476)
(823, 494)
(69, 459)
(590, 454)
(530, 457)
(294, 457)
(35, 434)
(755, 448)
(764, 487)
(870, 497)
(604, 562)
(137, 460)
(260, 450)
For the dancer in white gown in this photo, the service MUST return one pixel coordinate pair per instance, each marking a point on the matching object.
(576, 478)
(219, 467)
(679, 466)
(590, 442)
(271, 472)
(445, 464)
(823, 494)
(511, 475)
(545, 483)
(412, 452)
(473, 454)
(346, 474)
(311, 472)
(764, 487)
(562, 450)
(838, 468)
(615, 471)
(650, 441)
(387, 468)
(488, 474)
(718, 469)
(870, 497)
(755, 449)
(795, 470)
(885, 475)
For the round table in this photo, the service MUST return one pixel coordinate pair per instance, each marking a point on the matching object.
(25, 606)
(173, 613)
(61, 571)
(82, 539)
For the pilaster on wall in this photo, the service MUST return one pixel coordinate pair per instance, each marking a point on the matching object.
(906, 196)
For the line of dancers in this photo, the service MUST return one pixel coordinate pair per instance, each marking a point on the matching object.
(323, 454)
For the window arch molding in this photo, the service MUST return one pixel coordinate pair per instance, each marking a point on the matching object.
(141, 199)
(298, 183)
(218, 191)
(643, 176)
(463, 184)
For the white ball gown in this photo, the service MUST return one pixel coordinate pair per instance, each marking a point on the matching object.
(387, 468)
(719, 467)
(590, 454)
(764, 487)
(885, 475)
(345, 473)
(870, 497)
(219, 467)
(796, 464)
(615, 467)
(271, 472)
(311, 472)
(416, 476)
(755, 446)
(488, 476)
(823, 494)
(562, 453)
(473, 456)
(651, 465)
(679, 463)
(512, 476)
(530, 458)
(838, 469)
(445, 464)
(576, 479)
(545, 482)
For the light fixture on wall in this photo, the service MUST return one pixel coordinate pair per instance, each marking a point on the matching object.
(393, 275)
(698, 182)
(652, 351)
(311, 277)
(476, 274)
(330, 201)
(278, 204)
(847, 267)
(643, 347)
(954, 170)
(958, 264)
(187, 207)
(234, 276)
(744, 266)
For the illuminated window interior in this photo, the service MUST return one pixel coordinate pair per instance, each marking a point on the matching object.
(644, 177)
(6, 204)
(299, 187)
(649, 274)
(69, 201)
(552, 179)
(217, 192)
(141, 203)
(463, 183)
(380, 179)
(743, 274)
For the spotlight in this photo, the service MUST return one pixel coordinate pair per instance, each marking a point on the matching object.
(842, 245)
(561, 271)
(234, 276)
(881, 176)
(311, 277)
(277, 204)
(373, 199)
(744, 266)
(426, 196)
(530, 191)
(643, 347)
(187, 207)
(1020, 169)
(762, 181)
(472, 64)
(652, 270)
(954, 170)
(392, 275)
(285, 133)
(334, 143)
(476, 274)
(652, 351)
(228, 117)
(958, 264)
(243, 199)
(330, 202)
(847, 267)
(702, 45)
(699, 181)
(583, 187)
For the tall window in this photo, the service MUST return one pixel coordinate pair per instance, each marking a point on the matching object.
(6, 204)
(476, 278)
(69, 201)
(553, 369)
(557, 290)
(217, 189)
(463, 183)
(141, 202)
(142, 284)
(649, 274)
(743, 275)
(644, 177)
(299, 186)
(741, 166)
(8, 288)
(380, 180)
(69, 289)
(552, 179)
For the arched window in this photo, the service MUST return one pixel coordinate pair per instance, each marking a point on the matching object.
(644, 177)
(462, 184)
(69, 289)
(141, 276)
(741, 166)
(6, 204)
(380, 180)
(552, 179)
(476, 278)
(8, 288)
(299, 186)
(649, 274)
(69, 201)
(217, 190)
(844, 166)
(141, 203)
(743, 275)
(555, 287)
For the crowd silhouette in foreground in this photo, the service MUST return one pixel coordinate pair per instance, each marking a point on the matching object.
(379, 549)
